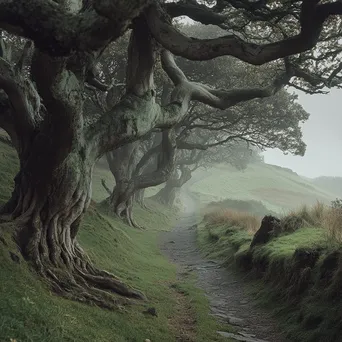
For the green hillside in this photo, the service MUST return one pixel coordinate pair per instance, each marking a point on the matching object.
(280, 189)
(29, 311)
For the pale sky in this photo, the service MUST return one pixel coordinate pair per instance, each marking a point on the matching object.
(323, 135)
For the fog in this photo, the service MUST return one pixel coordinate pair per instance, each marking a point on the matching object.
(321, 133)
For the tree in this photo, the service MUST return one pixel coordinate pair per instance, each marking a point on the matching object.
(226, 73)
(43, 112)
(135, 172)
(233, 151)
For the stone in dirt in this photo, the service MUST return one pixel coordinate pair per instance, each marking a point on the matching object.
(239, 337)
(151, 311)
(235, 321)
(15, 257)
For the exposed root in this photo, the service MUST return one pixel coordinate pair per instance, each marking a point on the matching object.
(69, 271)
(83, 282)
(125, 212)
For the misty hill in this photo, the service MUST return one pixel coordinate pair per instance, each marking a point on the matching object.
(331, 184)
(279, 189)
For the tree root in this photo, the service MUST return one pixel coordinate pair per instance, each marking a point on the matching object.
(73, 276)
(125, 213)
(85, 283)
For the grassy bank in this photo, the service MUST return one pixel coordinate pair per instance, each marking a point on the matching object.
(30, 312)
(297, 273)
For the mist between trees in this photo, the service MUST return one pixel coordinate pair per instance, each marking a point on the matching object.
(123, 79)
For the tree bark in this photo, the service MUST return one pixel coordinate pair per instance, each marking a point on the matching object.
(167, 195)
(53, 187)
(130, 179)
(46, 209)
(139, 198)
(122, 163)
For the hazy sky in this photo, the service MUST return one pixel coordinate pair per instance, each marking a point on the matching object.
(323, 135)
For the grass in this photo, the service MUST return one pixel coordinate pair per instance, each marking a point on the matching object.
(297, 274)
(277, 188)
(245, 206)
(250, 223)
(30, 312)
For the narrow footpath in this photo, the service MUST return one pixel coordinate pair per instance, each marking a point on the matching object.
(223, 287)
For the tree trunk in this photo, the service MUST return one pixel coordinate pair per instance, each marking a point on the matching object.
(168, 194)
(139, 197)
(46, 208)
(129, 175)
(121, 163)
(121, 204)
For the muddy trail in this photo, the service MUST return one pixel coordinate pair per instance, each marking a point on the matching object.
(224, 288)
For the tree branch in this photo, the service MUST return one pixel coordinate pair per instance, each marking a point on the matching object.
(59, 32)
(195, 11)
(217, 98)
(23, 98)
(184, 145)
(312, 14)
(6, 120)
(103, 182)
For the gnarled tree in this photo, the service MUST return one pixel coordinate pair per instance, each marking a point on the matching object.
(43, 109)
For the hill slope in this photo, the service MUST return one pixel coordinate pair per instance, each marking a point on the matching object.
(278, 188)
(29, 311)
(332, 184)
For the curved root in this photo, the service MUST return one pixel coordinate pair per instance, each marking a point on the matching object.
(85, 283)
(71, 274)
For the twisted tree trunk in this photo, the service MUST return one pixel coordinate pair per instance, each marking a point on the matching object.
(122, 163)
(128, 178)
(47, 206)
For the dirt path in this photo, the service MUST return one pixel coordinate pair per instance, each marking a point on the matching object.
(224, 288)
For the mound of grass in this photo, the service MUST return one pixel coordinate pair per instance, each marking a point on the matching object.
(297, 274)
(245, 206)
(30, 312)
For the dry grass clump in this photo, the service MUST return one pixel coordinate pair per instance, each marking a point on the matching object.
(312, 216)
(319, 215)
(332, 222)
(235, 218)
(324, 216)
